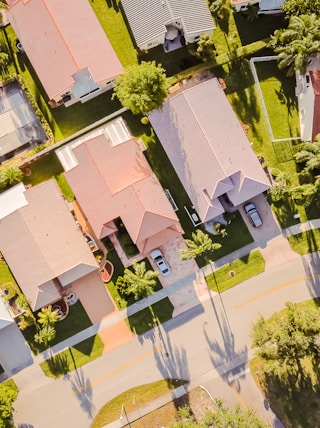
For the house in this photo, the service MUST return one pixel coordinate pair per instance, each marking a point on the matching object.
(208, 148)
(46, 252)
(114, 182)
(264, 6)
(158, 22)
(14, 352)
(308, 94)
(66, 46)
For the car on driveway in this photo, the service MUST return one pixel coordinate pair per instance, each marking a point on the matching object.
(253, 214)
(160, 261)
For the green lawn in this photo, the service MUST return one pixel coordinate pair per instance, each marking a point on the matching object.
(148, 318)
(44, 169)
(143, 395)
(73, 358)
(259, 29)
(305, 242)
(109, 14)
(77, 320)
(296, 406)
(280, 100)
(236, 272)
(7, 281)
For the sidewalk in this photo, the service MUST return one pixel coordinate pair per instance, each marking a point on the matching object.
(275, 251)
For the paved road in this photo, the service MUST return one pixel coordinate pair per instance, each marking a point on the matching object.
(214, 353)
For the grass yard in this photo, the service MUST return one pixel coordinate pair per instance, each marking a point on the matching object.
(236, 272)
(73, 358)
(259, 29)
(77, 320)
(143, 394)
(7, 281)
(44, 169)
(297, 407)
(280, 100)
(305, 242)
(148, 318)
(109, 14)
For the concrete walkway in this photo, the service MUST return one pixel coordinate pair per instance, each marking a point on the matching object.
(275, 251)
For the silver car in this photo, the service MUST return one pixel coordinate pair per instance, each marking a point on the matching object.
(160, 261)
(253, 214)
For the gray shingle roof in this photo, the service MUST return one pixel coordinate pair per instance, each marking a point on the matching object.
(147, 18)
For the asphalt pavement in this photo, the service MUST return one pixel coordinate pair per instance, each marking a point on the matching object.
(207, 345)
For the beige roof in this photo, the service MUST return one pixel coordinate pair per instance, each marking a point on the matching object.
(40, 242)
(61, 38)
(208, 148)
(116, 181)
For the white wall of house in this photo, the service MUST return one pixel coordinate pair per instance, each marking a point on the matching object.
(159, 40)
(305, 95)
(15, 354)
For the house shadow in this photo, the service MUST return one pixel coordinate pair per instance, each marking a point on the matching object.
(311, 263)
(82, 389)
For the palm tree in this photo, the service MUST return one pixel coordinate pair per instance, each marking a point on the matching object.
(140, 282)
(295, 44)
(45, 335)
(10, 176)
(309, 153)
(200, 243)
(48, 317)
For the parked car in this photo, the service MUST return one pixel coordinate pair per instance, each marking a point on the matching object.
(91, 242)
(253, 214)
(160, 261)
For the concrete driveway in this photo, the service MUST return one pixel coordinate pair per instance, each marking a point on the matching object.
(189, 284)
(270, 228)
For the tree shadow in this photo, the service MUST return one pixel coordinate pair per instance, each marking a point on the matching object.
(112, 4)
(171, 361)
(82, 389)
(227, 361)
(58, 365)
(311, 263)
(25, 425)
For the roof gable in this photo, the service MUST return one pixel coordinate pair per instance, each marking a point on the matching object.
(206, 144)
(193, 14)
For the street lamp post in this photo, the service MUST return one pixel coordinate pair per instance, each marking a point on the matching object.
(123, 410)
(134, 402)
(222, 304)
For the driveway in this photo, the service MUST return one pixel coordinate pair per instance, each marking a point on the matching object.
(270, 228)
(189, 285)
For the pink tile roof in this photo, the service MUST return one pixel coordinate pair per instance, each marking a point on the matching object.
(40, 241)
(60, 38)
(315, 78)
(111, 182)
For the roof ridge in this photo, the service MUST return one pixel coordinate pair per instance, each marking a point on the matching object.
(58, 29)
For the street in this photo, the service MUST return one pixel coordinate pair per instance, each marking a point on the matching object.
(205, 345)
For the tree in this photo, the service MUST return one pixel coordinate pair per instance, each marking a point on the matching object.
(309, 153)
(301, 7)
(4, 61)
(8, 394)
(221, 9)
(286, 338)
(45, 335)
(295, 44)
(10, 176)
(142, 87)
(206, 49)
(281, 187)
(48, 317)
(200, 243)
(140, 282)
(223, 417)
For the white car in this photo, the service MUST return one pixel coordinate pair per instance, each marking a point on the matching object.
(160, 261)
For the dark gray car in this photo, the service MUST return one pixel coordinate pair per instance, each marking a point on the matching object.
(253, 214)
